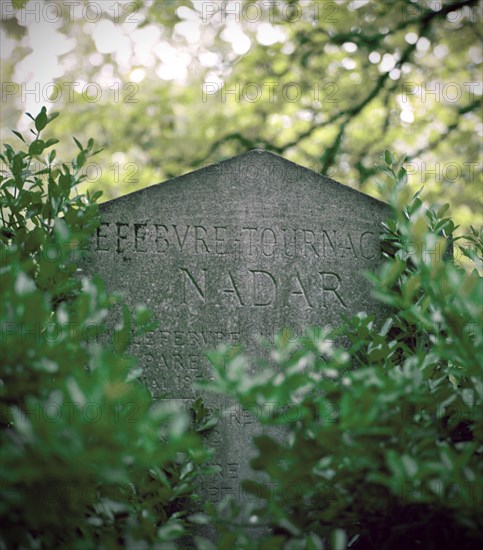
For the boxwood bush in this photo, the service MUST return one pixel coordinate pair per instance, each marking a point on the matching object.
(87, 459)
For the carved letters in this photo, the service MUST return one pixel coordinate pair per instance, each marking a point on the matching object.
(259, 288)
(247, 241)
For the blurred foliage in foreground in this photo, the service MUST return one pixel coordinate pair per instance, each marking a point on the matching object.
(384, 439)
(87, 459)
(169, 85)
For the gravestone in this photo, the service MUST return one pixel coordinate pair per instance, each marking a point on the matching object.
(233, 253)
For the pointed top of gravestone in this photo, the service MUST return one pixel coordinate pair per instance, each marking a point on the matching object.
(260, 179)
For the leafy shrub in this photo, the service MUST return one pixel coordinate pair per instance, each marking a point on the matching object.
(87, 459)
(383, 446)
(385, 437)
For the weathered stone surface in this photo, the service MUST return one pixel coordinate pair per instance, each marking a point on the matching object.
(232, 253)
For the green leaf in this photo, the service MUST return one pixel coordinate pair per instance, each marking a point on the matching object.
(78, 143)
(41, 120)
(388, 157)
(122, 333)
(19, 135)
(17, 165)
(411, 287)
(171, 531)
(207, 424)
(416, 205)
(338, 540)
(96, 195)
(34, 239)
(419, 229)
(402, 175)
(314, 542)
(443, 210)
(134, 374)
(410, 465)
(199, 519)
(81, 159)
(53, 116)
(65, 181)
(37, 147)
(50, 142)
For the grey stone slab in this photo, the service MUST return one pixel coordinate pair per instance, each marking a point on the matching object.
(233, 253)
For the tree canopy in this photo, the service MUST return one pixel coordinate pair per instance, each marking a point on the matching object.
(169, 86)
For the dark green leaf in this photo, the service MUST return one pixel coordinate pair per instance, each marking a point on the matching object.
(37, 147)
(41, 120)
(78, 143)
(19, 135)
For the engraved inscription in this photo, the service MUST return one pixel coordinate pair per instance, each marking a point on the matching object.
(259, 288)
(249, 241)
